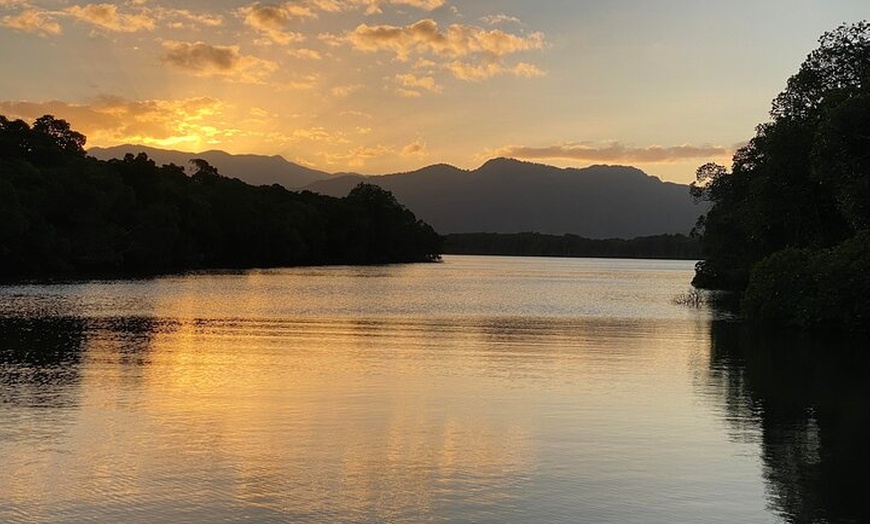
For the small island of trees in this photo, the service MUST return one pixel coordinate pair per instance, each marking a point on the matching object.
(65, 214)
(789, 225)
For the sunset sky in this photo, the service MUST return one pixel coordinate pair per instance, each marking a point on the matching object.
(378, 86)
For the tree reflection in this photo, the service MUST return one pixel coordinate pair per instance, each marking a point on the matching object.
(808, 395)
(40, 360)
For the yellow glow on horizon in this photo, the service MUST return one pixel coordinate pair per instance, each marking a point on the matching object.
(538, 84)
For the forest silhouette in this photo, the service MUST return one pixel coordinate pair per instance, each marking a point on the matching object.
(789, 225)
(678, 247)
(63, 213)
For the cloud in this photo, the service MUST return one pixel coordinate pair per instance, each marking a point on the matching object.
(272, 20)
(201, 59)
(183, 19)
(467, 52)
(305, 54)
(107, 17)
(345, 91)
(615, 152)
(194, 122)
(411, 82)
(417, 148)
(32, 21)
(425, 37)
(500, 19)
(373, 7)
(358, 156)
(478, 72)
(356, 114)
(302, 83)
(426, 5)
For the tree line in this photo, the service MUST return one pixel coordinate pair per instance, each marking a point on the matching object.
(538, 244)
(63, 213)
(789, 225)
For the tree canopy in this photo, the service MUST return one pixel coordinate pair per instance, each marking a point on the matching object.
(64, 213)
(803, 181)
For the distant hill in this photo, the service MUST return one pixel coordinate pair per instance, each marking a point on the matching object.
(257, 170)
(501, 196)
(510, 196)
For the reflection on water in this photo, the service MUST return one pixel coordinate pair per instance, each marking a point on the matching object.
(481, 389)
(38, 354)
(808, 397)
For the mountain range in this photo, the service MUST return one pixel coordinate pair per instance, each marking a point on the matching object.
(258, 170)
(501, 196)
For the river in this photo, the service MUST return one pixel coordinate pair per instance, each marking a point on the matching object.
(479, 389)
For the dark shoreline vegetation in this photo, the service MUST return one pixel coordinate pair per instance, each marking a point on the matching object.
(676, 247)
(789, 226)
(64, 214)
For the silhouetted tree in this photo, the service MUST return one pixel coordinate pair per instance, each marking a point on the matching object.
(537, 244)
(62, 212)
(802, 182)
(60, 134)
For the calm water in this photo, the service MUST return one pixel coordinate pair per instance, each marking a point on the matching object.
(476, 390)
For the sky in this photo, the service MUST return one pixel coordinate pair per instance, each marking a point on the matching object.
(385, 86)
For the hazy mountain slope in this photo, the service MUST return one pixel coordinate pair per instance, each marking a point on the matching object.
(501, 196)
(253, 169)
(509, 196)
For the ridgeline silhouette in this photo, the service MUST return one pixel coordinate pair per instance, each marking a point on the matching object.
(257, 170)
(510, 196)
(501, 196)
(63, 213)
(789, 226)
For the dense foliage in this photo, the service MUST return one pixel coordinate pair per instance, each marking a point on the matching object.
(798, 190)
(819, 288)
(537, 244)
(64, 213)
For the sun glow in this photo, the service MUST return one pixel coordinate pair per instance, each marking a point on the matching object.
(430, 81)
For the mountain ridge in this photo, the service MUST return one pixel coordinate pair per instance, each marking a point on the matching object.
(512, 196)
(503, 195)
(254, 169)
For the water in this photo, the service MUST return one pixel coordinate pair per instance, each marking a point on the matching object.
(482, 389)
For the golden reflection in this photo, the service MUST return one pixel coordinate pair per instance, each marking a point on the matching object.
(384, 419)
(312, 406)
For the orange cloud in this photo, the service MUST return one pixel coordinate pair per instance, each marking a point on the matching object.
(615, 153)
(426, 5)
(301, 83)
(425, 37)
(182, 18)
(345, 91)
(409, 82)
(272, 20)
(32, 21)
(201, 59)
(417, 148)
(478, 72)
(373, 7)
(108, 17)
(305, 54)
(469, 53)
